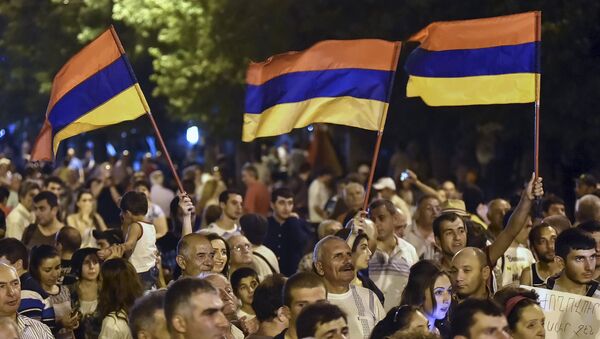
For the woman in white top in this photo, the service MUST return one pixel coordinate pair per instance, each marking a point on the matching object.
(120, 287)
(44, 266)
(85, 219)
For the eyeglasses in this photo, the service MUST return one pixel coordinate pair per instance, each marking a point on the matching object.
(241, 247)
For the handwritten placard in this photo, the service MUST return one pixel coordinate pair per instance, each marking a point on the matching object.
(569, 315)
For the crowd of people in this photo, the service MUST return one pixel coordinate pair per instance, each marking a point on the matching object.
(101, 251)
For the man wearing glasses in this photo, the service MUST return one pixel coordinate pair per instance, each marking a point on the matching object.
(241, 252)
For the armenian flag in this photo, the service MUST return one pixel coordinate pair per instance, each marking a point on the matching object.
(476, 62)
(95, 88)
(344, 82)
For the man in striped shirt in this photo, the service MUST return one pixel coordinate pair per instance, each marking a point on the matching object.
(34, 301)
(10, 299)
(389, 266)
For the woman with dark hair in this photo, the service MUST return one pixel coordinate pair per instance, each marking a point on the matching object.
(401, 318)
(523, 312)
(44, 266)
(85, 267)
(221, 259)
(430, 289)
(120, 287)
(85, 219)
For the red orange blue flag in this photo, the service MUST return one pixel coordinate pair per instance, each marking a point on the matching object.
(474, 62)
(95, 88)
(346, 82)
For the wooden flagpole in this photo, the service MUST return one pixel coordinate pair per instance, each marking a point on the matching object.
(148, 112)
(382, 120)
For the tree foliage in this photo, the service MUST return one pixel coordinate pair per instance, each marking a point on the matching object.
(192, 56)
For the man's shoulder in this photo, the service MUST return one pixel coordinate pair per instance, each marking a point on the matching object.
(32, 328)
(264, 250)
(272, 221)
(212, 228)
(593, 289)
(31, 287)
(402, 243)
(412, 237)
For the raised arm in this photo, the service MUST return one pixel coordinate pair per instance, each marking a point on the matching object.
(517, 219)
(186, 205)
(427, 190)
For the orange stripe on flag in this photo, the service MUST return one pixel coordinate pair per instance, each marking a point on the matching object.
(92, 58)
(480, 33)
(326, 55)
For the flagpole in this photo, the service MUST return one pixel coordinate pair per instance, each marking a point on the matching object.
(148, 112)
(538, 80)
(382, 120)
(537, 206)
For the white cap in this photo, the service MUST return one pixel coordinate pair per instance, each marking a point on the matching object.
(385, 182)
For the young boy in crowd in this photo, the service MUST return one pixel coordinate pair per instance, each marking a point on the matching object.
(140, 239)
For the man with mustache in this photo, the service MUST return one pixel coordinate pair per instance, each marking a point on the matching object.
(576, 250)
(194, 255)
(332, 259)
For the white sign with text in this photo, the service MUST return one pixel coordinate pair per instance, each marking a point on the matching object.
(569, 315)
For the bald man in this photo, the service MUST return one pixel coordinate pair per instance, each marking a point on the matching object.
(194, 255)
(328, 227)
(469, 272)
(10, 299)
(332, 259)
(588, 209)
(559, 222)
(497, 209)
(354, 197)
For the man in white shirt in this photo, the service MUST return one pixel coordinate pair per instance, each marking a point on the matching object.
(390, 265)
(332, 259)
(318, 194)
(10, 299)
(228, 224)
(22, 216)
